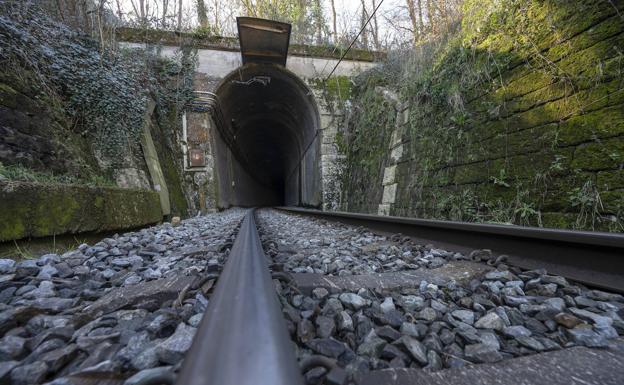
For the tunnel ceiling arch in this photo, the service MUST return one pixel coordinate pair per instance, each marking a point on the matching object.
(272, 121)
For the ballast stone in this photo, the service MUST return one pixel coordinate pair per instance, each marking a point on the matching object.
(171, 350)
(490, 321)
(353, 301)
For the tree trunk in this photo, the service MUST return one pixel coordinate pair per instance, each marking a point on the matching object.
(412, 14)
(142, 16)
(201, 14)
(431, 17)
(319, 22)
(375, 27)
(119, 14)
(421, 24)
(363, 20)
(164, 13)
(335, 30)
(179, 15)
(217, 25)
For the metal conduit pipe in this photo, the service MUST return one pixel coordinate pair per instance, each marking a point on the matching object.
(242, 338)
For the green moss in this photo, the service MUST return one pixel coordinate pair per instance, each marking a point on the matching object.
(367, 149)
(608, 180)
(37, 210)
(595, 125)
(179, 206)
(8, 96)
(205, 40)
(127, 207)
(336, 87)
(54, 213)
(613, 201)
(608, 154)
(558, 220)
(519, 110)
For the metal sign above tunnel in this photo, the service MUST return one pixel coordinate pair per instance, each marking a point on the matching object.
(263, 41)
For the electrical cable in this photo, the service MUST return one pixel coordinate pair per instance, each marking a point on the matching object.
(354, 40)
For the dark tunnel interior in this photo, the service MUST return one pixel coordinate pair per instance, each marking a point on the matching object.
(267, 147)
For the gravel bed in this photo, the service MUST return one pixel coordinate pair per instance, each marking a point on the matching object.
(310, 245)
(503, 314)
(105, 308)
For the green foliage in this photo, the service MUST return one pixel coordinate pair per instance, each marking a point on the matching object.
(204, 32)
(494, 108)
(20, 173)
(104, 92)
(586, 200)
(366, 141)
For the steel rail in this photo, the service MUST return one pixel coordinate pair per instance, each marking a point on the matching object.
(242, 338)
(593, 258)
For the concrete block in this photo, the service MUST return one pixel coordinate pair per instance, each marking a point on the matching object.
(384, 209)
(389, 193)
(389, 175)
(403, 117)
(396, 137)
(396, 154)
(44, 209)
(326, 121)
(328, 149)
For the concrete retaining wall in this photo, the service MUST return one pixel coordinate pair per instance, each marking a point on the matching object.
(38, 210)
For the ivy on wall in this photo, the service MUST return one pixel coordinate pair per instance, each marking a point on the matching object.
(515, 117)
(365, 142)
(103, 91)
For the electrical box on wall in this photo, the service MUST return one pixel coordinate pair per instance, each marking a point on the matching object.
(196, 132)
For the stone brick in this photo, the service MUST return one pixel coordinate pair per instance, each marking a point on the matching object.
(389, 175)
(396, 154)
(608, 154)
(604, 123)
(384, 209)
(35, 209)
(389, 193)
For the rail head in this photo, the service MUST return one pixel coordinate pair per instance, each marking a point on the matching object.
(597, 238)
(242, 338)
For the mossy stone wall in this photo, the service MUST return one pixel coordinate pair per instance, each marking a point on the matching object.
(38, 210)
(34, 129)
(518, 120)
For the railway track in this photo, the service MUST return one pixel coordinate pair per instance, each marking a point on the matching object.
(592, 258)
(246, 276)
(307, 297)
(245, 322)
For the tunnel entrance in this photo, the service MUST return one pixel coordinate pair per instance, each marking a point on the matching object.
(267, 123)
(267, 144)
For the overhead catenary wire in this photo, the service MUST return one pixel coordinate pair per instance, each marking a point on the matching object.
(354, 40)
(307, 147)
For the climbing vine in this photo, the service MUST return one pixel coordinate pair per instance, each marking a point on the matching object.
(490, 136)
(104, 91)
(371, 120)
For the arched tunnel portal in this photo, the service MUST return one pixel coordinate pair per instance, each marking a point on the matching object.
(266, 139)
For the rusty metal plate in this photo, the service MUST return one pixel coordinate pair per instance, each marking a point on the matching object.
(263, 41)
(197, 157)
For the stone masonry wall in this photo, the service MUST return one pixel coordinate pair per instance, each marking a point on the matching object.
(519, 120)
(38, 210)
